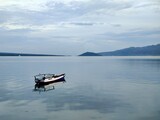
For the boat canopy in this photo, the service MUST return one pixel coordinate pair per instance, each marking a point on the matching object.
(42, 76)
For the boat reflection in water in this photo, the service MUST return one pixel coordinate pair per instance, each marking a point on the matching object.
(44, 87)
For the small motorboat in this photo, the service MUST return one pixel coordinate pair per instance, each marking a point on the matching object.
(48, 78)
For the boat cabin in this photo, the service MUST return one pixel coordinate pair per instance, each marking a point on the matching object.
(43, 76)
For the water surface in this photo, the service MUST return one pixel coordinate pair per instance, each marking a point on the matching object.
(96, 88)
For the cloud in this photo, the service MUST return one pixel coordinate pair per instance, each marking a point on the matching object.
(33, 5)
(133, 34)
(116, 25)
(80, 23)
(53, 11)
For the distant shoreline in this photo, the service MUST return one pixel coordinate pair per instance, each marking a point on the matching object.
(152, 50)
(25, 54)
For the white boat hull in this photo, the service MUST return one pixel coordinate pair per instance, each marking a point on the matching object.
(53, 79)
(46, 80)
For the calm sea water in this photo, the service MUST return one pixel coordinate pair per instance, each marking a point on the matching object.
(96, 88)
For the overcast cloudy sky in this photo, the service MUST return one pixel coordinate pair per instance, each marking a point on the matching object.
(76, 26)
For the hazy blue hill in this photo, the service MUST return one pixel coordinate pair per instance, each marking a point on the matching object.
(153, 50)
(24, 54)
(90, 54)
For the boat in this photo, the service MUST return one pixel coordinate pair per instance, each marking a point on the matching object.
(48, 78)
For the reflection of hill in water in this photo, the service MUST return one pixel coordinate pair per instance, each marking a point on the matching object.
(47, 86)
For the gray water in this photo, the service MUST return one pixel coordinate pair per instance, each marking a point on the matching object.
(96, 88)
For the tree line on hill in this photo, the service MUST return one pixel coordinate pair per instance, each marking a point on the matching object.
(152, 50)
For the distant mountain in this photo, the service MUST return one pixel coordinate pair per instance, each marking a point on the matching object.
(90, 54)
(24, 54)
(152, 50)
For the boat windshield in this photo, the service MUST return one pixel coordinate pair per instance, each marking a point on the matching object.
(49, 75)
(41, 76)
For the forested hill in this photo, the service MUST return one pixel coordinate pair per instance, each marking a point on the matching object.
(152, 50)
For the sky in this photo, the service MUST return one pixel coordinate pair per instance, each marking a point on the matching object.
(71, 27)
